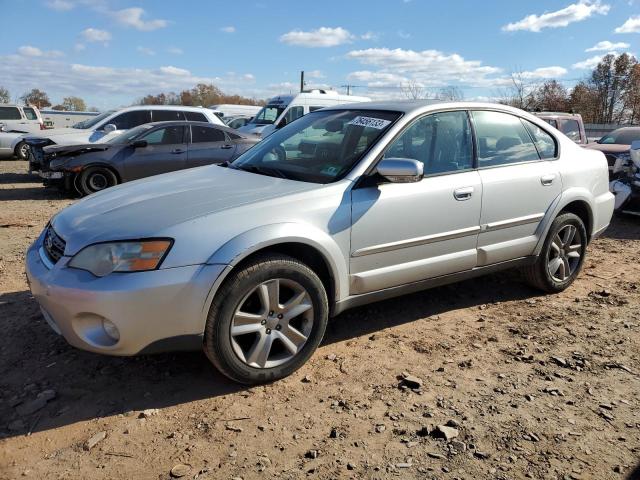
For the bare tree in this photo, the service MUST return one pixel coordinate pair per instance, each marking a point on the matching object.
(36, 97)
(413, 90)
(4, 95)
(450, 94)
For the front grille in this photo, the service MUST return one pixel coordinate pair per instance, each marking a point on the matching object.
(53, 245)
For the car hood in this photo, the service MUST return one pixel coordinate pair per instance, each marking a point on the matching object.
(64, 150)
(608, 147)
(148, 207)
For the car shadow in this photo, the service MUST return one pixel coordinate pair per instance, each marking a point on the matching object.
(14, 177)
(89, 386)
(623, 227)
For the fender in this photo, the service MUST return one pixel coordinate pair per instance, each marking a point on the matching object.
(568, 196)
(243, 245)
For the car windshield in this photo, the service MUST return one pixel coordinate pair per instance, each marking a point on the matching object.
(621, 137)
(90, 122)
(129, 135)
(268, 114)
(320, 147)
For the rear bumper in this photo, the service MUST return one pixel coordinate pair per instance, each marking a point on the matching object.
(157, 310)
(603, 211)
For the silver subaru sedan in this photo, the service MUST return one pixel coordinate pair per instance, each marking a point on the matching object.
(342, 207)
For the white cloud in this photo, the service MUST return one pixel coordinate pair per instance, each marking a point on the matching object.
(322, 37)
(632, 25)
(607, 46)
(576, 12)
(175, 50)
(146, 51)
(91, 70)
(132, 17)
(175, 71)
(95, 35)
(30, 51)
(544, 73)
(229, 29)
(402, 34)
(59, 5)
(370, 36)
(78, 47)
(250, 77)
(588, 63)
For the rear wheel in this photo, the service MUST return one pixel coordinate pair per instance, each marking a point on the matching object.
(562, 255)
(22, 151)
(266, 320)
(95, 179)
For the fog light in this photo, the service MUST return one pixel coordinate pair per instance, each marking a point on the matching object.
(110, 329)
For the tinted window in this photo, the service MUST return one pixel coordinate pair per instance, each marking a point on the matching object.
(238, 122)
(30, 113)
(165, 136)
(571, 128)
(313, 109)
(551, 122)
(442, 142)
(502, 139)
(621, 137)
(166, 115)
(196, 116)
(9, 113)
(294, 113)
(544, 142)
(206, 134)
(128, 120)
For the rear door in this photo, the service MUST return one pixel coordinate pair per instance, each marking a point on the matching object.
(166, 151)
(167, 115)
(520, 183)
(122, 122)
(209, 145)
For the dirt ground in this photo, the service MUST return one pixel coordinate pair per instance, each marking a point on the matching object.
(530, 386)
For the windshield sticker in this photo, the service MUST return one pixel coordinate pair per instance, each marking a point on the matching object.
(376, 123)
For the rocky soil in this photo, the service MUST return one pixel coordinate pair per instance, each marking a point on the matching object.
(485, 379)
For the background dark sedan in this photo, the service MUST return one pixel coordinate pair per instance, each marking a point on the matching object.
(616, 144)
(143, 151)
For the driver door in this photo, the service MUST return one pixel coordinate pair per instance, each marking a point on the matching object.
(166, 151)
(406, 232)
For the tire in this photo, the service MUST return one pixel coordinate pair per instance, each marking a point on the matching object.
(242, 306)
(95, 179)
(561, 257)
(22, 151)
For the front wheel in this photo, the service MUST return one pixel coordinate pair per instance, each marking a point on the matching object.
(22, 151)
(95, 179)
(266, 320)
(562, 255)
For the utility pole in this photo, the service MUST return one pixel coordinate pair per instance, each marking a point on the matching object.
(348, 87)
(302, 81)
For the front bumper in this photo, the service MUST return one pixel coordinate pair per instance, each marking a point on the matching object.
(153, 311)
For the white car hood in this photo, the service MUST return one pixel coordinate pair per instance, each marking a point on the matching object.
(147, 207)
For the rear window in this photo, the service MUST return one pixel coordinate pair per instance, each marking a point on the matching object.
(30, 113)
(10, 113)
(196, 116)
(206, 134)
(166, 115)
(571, 128)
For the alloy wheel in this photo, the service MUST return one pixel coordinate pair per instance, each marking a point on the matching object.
(272, 323)
(565, 253)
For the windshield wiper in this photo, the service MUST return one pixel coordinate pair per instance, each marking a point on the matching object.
(271, 172)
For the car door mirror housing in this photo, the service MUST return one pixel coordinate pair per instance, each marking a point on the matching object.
(400, 170)
(109, 127)
(139, 144)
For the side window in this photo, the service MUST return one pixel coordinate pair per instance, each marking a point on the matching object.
(544, 142)
(502, 139)
(206, 134)
(166, 115)
(128, 120)
(571, 128)
(441, 141)
(10, 113)
(196, 116)
(294, 113)
(313, 109)
(30, 113)
(165, 136)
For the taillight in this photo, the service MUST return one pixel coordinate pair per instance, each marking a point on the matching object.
(42, 127)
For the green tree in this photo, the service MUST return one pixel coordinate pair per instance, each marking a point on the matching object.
(36, 97)
(74, 104)
(4, 95)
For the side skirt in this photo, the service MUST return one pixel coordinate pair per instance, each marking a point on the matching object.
(371, 297)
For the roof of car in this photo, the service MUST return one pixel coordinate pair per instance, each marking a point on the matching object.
(163, 107)
(412, 106)
(179, 123)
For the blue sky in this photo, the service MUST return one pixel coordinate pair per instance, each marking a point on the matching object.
(111, 52)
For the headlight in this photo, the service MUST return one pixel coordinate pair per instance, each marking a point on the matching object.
(104, 258)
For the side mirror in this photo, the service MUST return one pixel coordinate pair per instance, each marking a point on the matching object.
(139, 144)
(282, 123)
(109, 127)
(401, 170)
(635, 152)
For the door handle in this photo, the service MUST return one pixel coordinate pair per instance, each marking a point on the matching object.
(226, 147)
(547, 180)
(463, 193)
(177, 150)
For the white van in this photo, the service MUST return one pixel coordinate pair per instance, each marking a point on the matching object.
(228, 110)
(20, 118)
(284, 109)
